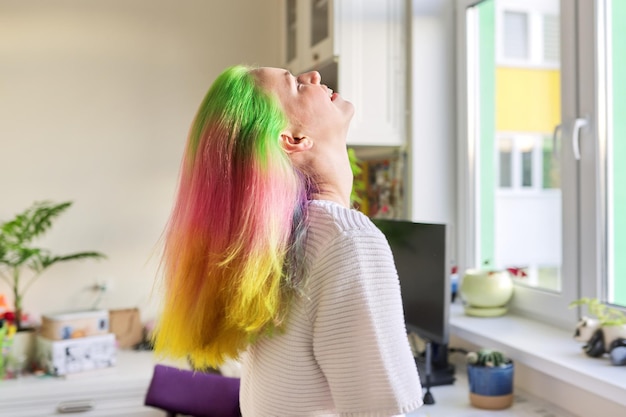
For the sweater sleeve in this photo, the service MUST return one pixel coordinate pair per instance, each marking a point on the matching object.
(359, 335)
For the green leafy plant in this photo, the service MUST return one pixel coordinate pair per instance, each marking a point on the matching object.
(607, 316)
(487, 357)
(358, 184)
(18, 254)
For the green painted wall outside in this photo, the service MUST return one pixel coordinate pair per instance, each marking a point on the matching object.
(619, 149)
(486, 140)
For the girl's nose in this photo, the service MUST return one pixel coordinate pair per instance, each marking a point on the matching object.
(312, 77)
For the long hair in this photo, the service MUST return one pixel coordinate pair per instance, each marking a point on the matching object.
(233, 244)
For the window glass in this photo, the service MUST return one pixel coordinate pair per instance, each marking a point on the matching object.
(518, 196)
(616, 154)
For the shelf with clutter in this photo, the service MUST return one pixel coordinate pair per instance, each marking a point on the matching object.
(75, 342)
(69, 342)
(379, 180)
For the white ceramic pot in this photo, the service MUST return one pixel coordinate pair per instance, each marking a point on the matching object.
(21, 354)
(486, 292)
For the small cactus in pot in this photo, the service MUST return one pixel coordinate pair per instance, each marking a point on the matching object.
(487, 357)
(490, 376)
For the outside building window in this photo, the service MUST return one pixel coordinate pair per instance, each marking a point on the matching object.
(551, 41)
(516, 35)
(506, 162)
(551, 173)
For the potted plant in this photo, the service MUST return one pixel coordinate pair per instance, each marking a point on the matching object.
(490, 377)
(486, 292)
(598, 332)
(18, 254)
(358, 185)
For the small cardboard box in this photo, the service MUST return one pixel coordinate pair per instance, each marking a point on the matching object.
(62, 357)
(74, 324)
(127, 327)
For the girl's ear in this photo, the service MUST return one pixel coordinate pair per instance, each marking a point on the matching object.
(292, 144)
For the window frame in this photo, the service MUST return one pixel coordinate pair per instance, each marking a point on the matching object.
(545, 305)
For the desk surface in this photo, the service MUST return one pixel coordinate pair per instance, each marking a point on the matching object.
(115, 391)
(453, 401)
(120, 390)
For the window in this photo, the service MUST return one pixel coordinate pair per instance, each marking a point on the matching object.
(526, 162)
(527, 33)
(551, 38)
(550, 175)
(539, 74)
(526, 150)
(516, 35)
(616, 152)
(505, 149)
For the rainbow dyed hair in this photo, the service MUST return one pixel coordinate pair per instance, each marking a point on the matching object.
(233, 243)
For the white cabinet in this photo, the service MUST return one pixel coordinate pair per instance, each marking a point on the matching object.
(308, 34)
(360, 48)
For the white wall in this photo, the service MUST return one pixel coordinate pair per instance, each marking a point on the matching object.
(96, 98)
(433, 140)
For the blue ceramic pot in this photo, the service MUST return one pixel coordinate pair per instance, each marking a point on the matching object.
(491, 387)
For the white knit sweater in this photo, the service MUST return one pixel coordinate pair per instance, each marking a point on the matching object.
(344, 351)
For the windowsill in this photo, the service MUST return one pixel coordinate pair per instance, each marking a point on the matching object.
(545, 349)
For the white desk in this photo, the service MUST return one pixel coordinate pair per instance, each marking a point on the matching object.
(120, 391)
(453, 401)
(115, 391)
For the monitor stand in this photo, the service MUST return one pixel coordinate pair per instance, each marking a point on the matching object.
(438, 376)
(441, 372)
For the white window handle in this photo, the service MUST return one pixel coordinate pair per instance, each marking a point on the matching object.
(579, 123)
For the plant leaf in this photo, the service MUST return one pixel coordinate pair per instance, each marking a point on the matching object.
(47, 261)
(32, 222)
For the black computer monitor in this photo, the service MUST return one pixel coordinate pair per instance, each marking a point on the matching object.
(421, 258)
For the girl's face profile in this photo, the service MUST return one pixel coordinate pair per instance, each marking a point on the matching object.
(313, 109)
